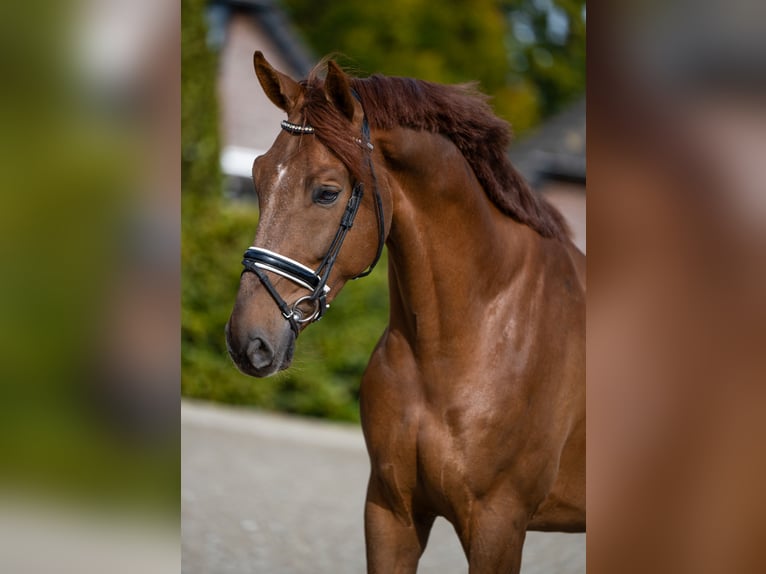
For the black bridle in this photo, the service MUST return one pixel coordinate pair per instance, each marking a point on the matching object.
(258, 260)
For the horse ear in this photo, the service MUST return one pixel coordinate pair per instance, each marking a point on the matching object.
(338, 90)
(282, 90)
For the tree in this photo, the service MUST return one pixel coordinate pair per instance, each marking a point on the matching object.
(528, 54)
(546, 46)
(200, 148)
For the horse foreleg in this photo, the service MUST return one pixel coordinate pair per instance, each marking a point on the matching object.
(493, 537)
(395, 535)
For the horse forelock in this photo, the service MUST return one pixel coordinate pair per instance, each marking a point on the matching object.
(459, 112)
(332, 128)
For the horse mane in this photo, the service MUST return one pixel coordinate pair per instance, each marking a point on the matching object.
(459, 112)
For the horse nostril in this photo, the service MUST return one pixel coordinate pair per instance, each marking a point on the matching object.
(260, 353)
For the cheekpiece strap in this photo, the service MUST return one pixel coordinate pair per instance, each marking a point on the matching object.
(295, 128)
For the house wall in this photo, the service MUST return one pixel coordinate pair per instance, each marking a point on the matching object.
(569, 198)
(249, 121)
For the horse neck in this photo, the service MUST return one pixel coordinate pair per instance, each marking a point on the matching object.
(452, 253)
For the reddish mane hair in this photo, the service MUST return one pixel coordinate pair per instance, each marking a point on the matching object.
(459, 112)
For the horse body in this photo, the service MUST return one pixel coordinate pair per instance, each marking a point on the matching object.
(473, 403)
(475, 389)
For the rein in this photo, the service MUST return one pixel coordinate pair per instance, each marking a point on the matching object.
(258, 260)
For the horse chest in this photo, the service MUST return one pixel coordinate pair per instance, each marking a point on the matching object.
(442, 457)
(438, 435)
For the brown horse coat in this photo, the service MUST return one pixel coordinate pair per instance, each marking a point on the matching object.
(473, 403)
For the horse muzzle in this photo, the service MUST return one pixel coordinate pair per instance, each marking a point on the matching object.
(259, 354)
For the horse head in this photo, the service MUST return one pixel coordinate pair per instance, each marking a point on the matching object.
(323, 217)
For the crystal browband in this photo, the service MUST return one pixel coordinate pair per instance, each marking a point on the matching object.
(295, 128)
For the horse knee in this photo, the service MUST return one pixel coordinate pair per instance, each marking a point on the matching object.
(493, 537)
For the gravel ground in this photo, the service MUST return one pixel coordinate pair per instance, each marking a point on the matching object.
(270, 494)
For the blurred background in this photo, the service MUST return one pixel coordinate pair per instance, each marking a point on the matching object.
(677, 277)
(90, 276)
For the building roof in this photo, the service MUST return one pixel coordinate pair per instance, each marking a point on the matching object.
(555, 150)
(277, 25)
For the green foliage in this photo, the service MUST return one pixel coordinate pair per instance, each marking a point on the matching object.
(200, 148)
(547, 48)
(410, 37)
(461, 41)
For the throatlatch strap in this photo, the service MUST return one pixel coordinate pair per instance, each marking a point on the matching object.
(378, 201)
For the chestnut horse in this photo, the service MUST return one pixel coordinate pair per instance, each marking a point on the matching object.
(473, 402)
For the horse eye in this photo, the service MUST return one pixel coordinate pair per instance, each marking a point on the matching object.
(326, 195)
